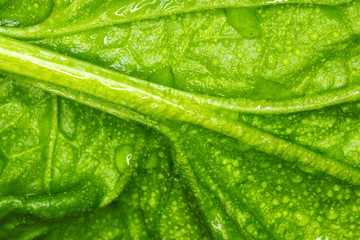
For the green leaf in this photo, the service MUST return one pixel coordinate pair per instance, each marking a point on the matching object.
(24, 13)
(243, 192)
(179, 119)
(69, 148)
(156, 100)
(73, 16)
(153, 205)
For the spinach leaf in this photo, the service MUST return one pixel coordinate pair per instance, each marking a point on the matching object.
(243, 192)
(69, 149)
(179, 119)
(153, 205)
(154, 100)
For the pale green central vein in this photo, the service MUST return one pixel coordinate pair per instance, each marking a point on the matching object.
(62, 69)
(156, 101)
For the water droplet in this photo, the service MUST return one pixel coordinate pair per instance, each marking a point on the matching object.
(285, 199)
(244, 21)
(279, 47)
(297, 52)
(265, 164)
(215, 62)
(152, 161)
(336, 187)
(357, 190)
(328, 64)
(123, 156)
(288, 42)
(163, 76)
(286, 61)
(297, 178)
(330, 193)
(335, 34)
(314, 36)
(225, 161)
(164, 51)
(331, 213)
(239, 55)
(301, 219)
(275, 202)
(270, 60)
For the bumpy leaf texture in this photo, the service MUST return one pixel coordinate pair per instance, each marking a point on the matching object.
(179, 119)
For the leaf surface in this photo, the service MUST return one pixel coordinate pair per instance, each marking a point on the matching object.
(179, 119)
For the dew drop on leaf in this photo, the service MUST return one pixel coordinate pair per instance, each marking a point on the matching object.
(279, 47)
(239, 55)
(335, 34)
(297, 178)
(215, 62)
(297, 52)
(357, 190)
(331, 213)
(286, 61)
(152, 161)
(123, 156)
(270, 60)
(314, 36)
(285, 199)
(301, 219)
(163, 76)
(265, 164)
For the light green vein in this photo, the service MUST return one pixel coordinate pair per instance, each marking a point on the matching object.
(156, 101)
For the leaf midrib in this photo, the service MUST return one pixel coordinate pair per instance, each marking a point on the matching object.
(159, 102)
